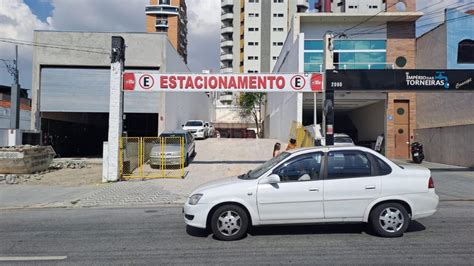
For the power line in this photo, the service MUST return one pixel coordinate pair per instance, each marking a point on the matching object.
(53, 46)
(382, 26)
(367, 19)
(420, 26)
(59, 45)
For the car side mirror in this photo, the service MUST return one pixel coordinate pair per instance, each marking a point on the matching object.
(271, 179)
(182, 125)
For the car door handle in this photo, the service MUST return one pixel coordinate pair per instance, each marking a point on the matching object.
(314, 189)
(370, 187)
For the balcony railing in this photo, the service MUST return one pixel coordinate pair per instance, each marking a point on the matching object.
(161, 10)
(226, 57)
(227, 43)
(227, 3)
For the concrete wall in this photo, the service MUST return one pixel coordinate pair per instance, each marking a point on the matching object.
(431, 49)
(150, 52)
(450, 145)
(180, 107)
(5, 123)
(459, 28)
(369, 121)
(284, 108)
(144, 50)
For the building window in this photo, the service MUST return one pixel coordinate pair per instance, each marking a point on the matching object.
(278, 29)
(275, 58)
(466, 52)
(278, 15)
(348, 54)
(253, 43)
(277, 43)
(253, 29)
(277, 1)
(252, 71)
(253, 15)
(252, 57)
(253, 1)
(373, 6)
(353, 7)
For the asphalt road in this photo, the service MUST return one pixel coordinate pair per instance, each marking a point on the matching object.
(159, 236)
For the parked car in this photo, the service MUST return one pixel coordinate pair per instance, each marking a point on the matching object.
(197, 128)
(341, 139)
(172, 149)
(316, 185)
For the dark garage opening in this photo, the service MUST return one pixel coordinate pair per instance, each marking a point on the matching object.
(83, 134)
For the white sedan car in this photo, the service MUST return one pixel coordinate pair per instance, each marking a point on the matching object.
(316, 185)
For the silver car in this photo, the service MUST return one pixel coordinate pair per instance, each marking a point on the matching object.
(172, 149)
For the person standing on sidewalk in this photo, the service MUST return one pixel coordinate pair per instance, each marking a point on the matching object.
(291, 145)
(276, 149)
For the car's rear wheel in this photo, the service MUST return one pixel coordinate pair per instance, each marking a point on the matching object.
(229, 222)
(389, 219)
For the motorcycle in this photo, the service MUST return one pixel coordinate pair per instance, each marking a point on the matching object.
(417, 154)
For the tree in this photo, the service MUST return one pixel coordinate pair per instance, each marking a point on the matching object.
(251, 104)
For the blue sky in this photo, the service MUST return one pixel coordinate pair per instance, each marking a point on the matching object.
(41, 8)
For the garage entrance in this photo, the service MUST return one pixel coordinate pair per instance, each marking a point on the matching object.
(82, 134)
(358, 114)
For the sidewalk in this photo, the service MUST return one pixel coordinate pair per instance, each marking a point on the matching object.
(216, 159)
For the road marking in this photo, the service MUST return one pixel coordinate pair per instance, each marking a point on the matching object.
(33, 258)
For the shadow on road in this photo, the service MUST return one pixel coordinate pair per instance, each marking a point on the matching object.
(227, 162)
(466, 169)
(315, 229)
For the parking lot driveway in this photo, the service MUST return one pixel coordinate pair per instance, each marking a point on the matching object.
(219, 158)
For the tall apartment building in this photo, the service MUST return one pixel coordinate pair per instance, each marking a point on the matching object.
(169, 16)
(253, 33)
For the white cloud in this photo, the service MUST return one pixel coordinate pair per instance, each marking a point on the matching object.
(204, 18)
(18, 22)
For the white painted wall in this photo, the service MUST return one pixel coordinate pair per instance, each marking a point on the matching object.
(282, 108)
(314, 30)
(177, 107)
(369, 121)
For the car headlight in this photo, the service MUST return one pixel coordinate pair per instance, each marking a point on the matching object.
(200, 130)
(194, 199)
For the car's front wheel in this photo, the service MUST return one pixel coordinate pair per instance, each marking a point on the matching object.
(390, 219)
(229, 222)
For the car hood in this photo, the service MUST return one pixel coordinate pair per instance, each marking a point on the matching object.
(233, 181)
(199, 127)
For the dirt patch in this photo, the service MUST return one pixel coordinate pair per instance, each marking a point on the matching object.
(64, 172)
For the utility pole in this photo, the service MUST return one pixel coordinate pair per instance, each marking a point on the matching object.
(14, 134)
(115, 111)
(328, 93)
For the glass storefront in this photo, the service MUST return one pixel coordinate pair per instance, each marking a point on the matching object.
(348, 54)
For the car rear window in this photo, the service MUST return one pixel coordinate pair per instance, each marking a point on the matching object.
(193, 124)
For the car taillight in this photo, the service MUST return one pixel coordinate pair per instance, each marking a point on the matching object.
(431, 183)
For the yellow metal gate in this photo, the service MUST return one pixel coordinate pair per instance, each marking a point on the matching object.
(301, 135)
(152, 157)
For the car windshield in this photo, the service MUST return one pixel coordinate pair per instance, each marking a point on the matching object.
(257, 172)
(193, 124)
(342, 140)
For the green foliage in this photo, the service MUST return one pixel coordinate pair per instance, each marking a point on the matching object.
(251, 104)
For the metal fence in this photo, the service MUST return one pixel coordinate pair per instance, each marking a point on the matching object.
(301, 135)
(152, 157)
